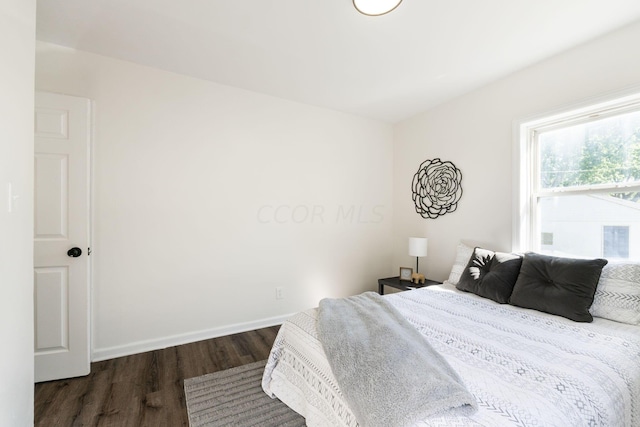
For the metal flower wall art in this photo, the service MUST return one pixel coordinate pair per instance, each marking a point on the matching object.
(437, 188)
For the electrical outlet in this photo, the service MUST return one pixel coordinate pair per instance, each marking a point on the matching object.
(279, 293)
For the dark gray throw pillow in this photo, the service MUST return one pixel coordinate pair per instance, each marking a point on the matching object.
(490, 274)
(562, 286)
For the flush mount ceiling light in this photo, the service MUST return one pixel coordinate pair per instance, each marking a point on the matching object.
(375, 7)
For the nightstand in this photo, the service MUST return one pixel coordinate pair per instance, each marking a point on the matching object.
(403, 285)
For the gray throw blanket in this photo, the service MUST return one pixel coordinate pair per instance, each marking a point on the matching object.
(387, 371)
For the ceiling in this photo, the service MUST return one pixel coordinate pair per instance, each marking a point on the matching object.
(324, 53)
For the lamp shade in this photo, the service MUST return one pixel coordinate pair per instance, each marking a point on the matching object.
(417, 246)
(375, 7)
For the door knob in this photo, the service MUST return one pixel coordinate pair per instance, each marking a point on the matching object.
(74, 252)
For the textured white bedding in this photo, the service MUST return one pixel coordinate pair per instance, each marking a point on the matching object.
(524, 367)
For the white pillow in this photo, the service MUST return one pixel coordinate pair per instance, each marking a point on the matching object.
(463, 254)
(617, 296)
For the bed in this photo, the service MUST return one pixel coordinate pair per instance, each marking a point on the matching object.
(523, 366)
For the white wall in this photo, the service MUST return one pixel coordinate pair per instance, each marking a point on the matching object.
(475, 133)
(207, 198)
(17, 31)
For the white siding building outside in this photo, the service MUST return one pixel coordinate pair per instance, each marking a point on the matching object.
(590, 226)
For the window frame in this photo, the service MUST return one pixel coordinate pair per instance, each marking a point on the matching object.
(525, 217)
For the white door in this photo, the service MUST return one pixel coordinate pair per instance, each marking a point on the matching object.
(61, 273)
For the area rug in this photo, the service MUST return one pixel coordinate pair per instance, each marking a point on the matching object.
(234, 397)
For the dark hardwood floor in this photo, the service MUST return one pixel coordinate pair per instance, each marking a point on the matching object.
(144, 389)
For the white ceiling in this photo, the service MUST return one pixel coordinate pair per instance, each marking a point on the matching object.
(323, 52)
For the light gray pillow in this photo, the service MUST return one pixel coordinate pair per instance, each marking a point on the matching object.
(463, 254)
(617, 296)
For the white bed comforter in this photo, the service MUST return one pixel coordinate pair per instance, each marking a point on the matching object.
(525, 368)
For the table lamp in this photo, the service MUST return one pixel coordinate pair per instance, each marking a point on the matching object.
(417, 248)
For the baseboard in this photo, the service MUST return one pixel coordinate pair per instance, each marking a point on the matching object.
(100, 354)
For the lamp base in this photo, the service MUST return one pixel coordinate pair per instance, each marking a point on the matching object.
(417, 269)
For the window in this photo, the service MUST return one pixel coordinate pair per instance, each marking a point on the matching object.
(577, 177)
(615, 239)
